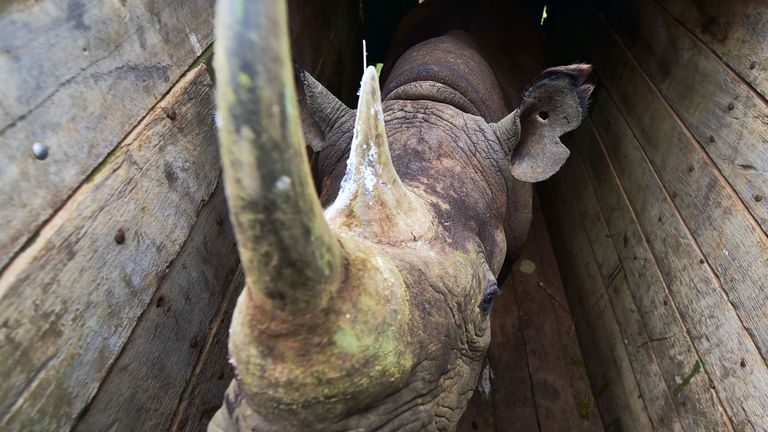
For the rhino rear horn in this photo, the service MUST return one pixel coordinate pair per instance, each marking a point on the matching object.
(555, 103)
(373, 201)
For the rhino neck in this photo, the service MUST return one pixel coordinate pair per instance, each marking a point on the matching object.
(447, 69)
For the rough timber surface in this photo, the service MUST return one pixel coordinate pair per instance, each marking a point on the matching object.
(710, 251)
(203, 390)
(71, 300)
(654, 392)
(158, 360)
(695, 403)
(628, 410)
(721, 111)
(693, 255)
(77, 76)
(737, 31)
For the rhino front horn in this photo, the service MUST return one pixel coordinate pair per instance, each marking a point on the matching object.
(372, 200)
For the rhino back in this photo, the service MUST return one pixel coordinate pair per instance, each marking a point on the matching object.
(448, 69)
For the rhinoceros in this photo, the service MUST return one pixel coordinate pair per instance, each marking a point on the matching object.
(367, 307)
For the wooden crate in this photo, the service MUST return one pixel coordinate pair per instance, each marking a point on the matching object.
(118, 266)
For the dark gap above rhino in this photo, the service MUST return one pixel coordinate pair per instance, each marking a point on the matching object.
(367, 308)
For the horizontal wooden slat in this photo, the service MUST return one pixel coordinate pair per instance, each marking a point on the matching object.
(737, 249)
(727, 118)
(712, 322)
(737, 31)
(77, 76)
(561, 391)
(655, 393)
(204, 391)
(158, 359)
(595, 364)
(621, 384)
(695, 403)
(71, 300)
(514, 409)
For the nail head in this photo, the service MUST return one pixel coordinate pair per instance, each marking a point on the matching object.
(40, 150)
(120, 236)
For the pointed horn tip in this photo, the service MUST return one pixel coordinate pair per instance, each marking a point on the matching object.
(369, 78)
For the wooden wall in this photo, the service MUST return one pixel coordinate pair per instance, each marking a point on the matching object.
(660, 216)
(118, 267)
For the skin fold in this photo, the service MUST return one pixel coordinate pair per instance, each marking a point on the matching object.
(367, 308)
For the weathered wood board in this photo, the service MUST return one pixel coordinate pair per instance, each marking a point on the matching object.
(737, 31)
(656, 396)
(77, 77)
(695, 403)
(203, 392)
(704, 241)
(721, 111)
(562, 396)
(631, 412)
(158, 360)
(595, 363)
(72, 299)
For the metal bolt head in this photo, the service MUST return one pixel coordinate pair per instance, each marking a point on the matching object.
(40, 151)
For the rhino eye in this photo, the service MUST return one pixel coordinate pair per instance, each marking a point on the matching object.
(488, 297)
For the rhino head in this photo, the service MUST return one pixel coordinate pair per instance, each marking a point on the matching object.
(366, 308)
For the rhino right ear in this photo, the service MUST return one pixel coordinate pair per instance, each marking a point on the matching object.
(555, 103)
(320, 109)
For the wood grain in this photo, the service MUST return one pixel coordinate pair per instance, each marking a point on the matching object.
(657, 397)
(513, 404)
(727, 118)
(77, 77)
(630, 411)
(717, 229)
(561, 390)
(595, 363)
(71, 300)
(158, 360)
(695, 403)
(205, 388)
(736, 31)
(712, 322)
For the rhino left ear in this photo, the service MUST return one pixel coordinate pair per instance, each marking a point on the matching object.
(320, 109)
(555, 103)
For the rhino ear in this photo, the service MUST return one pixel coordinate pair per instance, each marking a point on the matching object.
(555, 103)
(320, 109)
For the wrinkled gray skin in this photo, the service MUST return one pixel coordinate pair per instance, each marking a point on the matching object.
(420, 274)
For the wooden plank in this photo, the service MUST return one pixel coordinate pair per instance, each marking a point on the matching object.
(721, 229)
(713, 324)
(479, 413)
(77, 78)
(725, 115)
(737, 31)
(513, 405)
(561, 391)
(631, 412)
(158, 359)
(204, 392)
(595, 364)
(654, 389)
(72, 298)
(696, 404)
